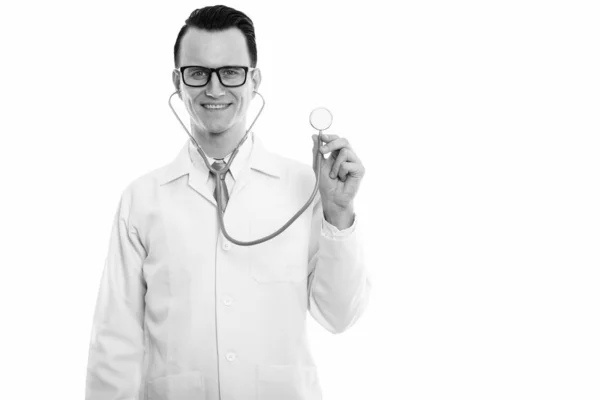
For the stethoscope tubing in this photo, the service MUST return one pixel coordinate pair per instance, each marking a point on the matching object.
(220, 175)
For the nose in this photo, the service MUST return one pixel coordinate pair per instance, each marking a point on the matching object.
(214, 87)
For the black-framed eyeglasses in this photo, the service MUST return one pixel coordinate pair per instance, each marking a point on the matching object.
(229, 75)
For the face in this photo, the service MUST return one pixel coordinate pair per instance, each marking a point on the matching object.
(215, 109)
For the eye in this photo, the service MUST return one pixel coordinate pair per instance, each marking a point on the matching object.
(198, 73)
(231, 71)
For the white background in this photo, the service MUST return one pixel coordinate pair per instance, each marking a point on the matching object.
(478, 124)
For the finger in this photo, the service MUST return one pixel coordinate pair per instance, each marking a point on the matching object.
(328, 137)
(341, 157)
(318, 140)
(350, 169)
(350, 154)
(344, 170)
(334, 145)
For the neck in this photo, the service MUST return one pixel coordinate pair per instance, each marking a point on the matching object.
(218, 145)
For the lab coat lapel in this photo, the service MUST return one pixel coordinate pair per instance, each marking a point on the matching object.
(261, 161)
(198, 182)
(196, 179)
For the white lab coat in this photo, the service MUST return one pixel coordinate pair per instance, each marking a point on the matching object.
(183, 314)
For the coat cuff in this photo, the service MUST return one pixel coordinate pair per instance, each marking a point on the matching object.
(332, 232)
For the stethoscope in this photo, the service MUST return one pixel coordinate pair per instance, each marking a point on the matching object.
(320, 119)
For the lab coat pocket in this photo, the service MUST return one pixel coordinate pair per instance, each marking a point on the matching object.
(184, 386)
(289, 382)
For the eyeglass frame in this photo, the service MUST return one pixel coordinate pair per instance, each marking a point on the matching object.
(246, 70)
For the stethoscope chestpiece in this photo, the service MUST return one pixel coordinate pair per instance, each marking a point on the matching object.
(320, 118)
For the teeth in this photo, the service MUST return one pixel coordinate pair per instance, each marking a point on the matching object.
(215, 106)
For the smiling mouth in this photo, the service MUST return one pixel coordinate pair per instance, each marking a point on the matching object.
(216, 107)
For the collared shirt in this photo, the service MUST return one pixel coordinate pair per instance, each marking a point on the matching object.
(239, 163)
(184, 313)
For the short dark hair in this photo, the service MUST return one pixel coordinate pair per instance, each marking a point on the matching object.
(220, 18)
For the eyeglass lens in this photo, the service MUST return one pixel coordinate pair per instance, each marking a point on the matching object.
(229, 76)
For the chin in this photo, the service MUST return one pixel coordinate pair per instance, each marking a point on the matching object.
(210, 126)
(217, 129)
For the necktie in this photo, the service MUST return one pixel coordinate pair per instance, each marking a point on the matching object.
(219, 164)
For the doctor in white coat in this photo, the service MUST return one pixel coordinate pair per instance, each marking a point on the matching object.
(184, 314)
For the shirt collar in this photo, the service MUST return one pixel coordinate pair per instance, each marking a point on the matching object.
(252, 153)
(239, 163)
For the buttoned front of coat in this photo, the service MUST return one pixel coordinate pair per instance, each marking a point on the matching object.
(182, 313)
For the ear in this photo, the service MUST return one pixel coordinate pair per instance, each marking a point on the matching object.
(177, 82)
(256, 79)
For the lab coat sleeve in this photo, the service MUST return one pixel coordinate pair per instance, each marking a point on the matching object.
(333, 232)
(339, 283)
(116, 351)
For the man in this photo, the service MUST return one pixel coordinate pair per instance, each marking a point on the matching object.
(182, 313)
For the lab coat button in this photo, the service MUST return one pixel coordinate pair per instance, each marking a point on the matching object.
(226, 246)
(227, 301)
(230, 356)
